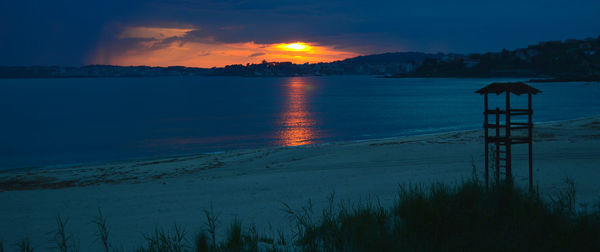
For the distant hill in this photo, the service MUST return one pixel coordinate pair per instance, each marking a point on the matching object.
(397, 57)
(569, 59)
(376, 64)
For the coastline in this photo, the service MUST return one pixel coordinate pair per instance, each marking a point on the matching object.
(139, 195)
(70, 167)
(59, 166)
(413, 133)
(17, 179)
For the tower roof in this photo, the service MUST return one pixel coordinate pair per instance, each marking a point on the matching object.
(517, 88)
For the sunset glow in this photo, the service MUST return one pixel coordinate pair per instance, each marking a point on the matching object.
(298, 46)
(173, 46)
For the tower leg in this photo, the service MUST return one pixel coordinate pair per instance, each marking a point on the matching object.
(497, 155)
(497, 162)
(530, 125)
(487, 163)
(508, 162)
(508, 140)
(485, 137)
(530, 166)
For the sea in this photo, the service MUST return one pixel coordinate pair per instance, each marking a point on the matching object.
(53, 123)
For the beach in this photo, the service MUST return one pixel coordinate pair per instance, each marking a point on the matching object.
(138, 196)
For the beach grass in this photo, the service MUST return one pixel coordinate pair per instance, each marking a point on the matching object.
(467, 217)
(102, 233)
(438, 217)
(24, 245)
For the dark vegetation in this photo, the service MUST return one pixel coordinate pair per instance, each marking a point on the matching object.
(462, 218)
(466, 217)
(570, 60)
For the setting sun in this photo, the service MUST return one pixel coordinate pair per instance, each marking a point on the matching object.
(298, 46)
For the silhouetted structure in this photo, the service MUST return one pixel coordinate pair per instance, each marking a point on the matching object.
(506, 130)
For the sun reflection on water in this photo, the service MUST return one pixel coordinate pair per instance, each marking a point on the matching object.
(296, 122)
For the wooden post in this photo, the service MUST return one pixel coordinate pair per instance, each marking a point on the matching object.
(485, 130)
(508, 141)
(530, 121)
(497, 145)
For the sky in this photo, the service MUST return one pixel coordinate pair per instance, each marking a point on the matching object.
(218, 33)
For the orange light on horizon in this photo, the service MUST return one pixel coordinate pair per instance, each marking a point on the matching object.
(298, 46)
(169, 47)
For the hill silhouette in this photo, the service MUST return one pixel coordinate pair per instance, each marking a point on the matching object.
(571, 59)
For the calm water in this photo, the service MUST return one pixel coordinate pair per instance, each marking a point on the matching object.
(49, 122)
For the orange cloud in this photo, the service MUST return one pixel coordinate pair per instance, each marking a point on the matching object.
(169, 47)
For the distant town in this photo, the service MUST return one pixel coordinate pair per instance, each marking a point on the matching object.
(567, 60)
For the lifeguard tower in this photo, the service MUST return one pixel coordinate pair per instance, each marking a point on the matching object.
(508, 127)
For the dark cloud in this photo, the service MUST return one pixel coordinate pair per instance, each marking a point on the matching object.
(256, 54)
(67, 32)
(214, 35)
(165, 43)
(62, 32)
(109, 48)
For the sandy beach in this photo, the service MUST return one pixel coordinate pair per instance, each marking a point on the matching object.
(251, 185)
